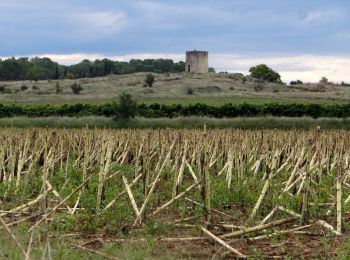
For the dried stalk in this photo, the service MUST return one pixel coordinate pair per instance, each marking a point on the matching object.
(223, 243)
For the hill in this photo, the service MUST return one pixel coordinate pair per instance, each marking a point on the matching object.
(181, 88)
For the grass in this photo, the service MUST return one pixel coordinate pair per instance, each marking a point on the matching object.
(213, 89)
(180, 122)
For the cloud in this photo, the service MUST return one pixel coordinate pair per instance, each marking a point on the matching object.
(100, 22)
(320, 16)
(309, 68)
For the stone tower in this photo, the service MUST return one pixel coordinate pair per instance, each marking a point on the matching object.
(197, 61)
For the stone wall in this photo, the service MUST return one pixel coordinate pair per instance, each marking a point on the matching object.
(197, 61)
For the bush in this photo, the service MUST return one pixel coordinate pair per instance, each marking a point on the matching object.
(24, 87)
(296, 82)
(126, 108)
(76, 88)
(2, 88)
(58, 88)
(149, 80)
(34, 87)
(324, 80)
(189, 91)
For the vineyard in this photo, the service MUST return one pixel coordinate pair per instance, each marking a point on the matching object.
(181, 193)
(156, 110)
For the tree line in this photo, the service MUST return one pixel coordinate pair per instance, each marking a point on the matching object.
(46, 69)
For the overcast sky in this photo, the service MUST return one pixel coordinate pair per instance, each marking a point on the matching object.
(303, 39)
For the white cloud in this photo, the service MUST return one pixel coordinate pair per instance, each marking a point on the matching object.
(321, 16)
(309, 68)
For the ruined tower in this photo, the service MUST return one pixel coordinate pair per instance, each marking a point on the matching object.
(197, 61)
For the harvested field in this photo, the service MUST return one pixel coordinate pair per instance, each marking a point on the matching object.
(173, 194)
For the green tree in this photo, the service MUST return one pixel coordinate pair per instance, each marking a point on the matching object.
(149, 80)
(37, 73)
(265, 73)
(211, 70)
(126, 108)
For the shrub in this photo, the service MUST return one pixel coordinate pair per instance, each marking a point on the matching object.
(58, 88)
(34, 87)
(324, 80)
(24, 87)
(126, 108)
(296, 82)
(2, 88)
(76, 88)
(149, 80)
(189, 91)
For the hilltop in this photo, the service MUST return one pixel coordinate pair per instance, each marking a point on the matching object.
(214, 88)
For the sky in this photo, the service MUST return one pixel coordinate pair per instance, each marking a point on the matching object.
(301, 39)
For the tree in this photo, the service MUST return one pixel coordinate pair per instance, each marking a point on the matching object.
(57, 74)
(211, 70)
(76, 88)
(149, 80)
(37, 73)
(265, 73)
(324, 80)
(126, 108)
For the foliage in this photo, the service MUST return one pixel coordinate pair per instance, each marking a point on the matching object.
(296, 82)
(126, 108)
(155, 110)
(211, 70)
(324, 80)
(44, 68)
(76, 88)
(24, 87)
(58, 88)
(345, 84)
(189, 91)
(265, 73)
(149, 80)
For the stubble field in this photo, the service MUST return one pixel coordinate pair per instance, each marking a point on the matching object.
(121, 194)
